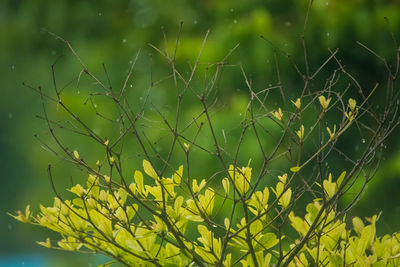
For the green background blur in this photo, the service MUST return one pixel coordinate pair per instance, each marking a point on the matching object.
(113, 31)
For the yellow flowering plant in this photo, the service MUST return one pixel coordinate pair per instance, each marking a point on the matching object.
(172, 188)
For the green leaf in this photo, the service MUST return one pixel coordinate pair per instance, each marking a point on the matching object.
(335, 260)
(107, 263)
(298, 224)
(312, 211)
(267, 241)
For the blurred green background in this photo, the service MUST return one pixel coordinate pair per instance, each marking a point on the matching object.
(113, 31)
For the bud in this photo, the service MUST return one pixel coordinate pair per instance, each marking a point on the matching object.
(352, 104)
(76, 154)
(297, 103)
(324, 102)
(278, 114)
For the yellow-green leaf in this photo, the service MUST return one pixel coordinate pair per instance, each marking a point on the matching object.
(295, 169)
(178, 175)
(358, 225)
(267, 241)
(149, 170)
(340, 179)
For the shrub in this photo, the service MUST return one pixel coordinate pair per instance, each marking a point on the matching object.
(106, 219)
(232, 216)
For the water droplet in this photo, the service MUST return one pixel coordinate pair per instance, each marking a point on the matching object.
(240, 114)
(100, 14)
(195, 22)
(288, 24)
(328, 34)
(10, 115)
(270, 85)
(234, 21)
(124, 41)
(13, 67)
(231, 10)
(130, 85)
(363, 140)
(53, 52)
(95, 105)
(326, 3)
(140, 98)
(79, 92)
(215, 226)
(238, 90)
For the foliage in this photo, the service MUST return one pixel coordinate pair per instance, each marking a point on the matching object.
(232, 214)
(333, 244)
(105, 219)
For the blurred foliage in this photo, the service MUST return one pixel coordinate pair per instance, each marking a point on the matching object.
(113, 31)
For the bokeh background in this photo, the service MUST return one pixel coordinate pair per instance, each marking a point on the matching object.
(113, 31)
